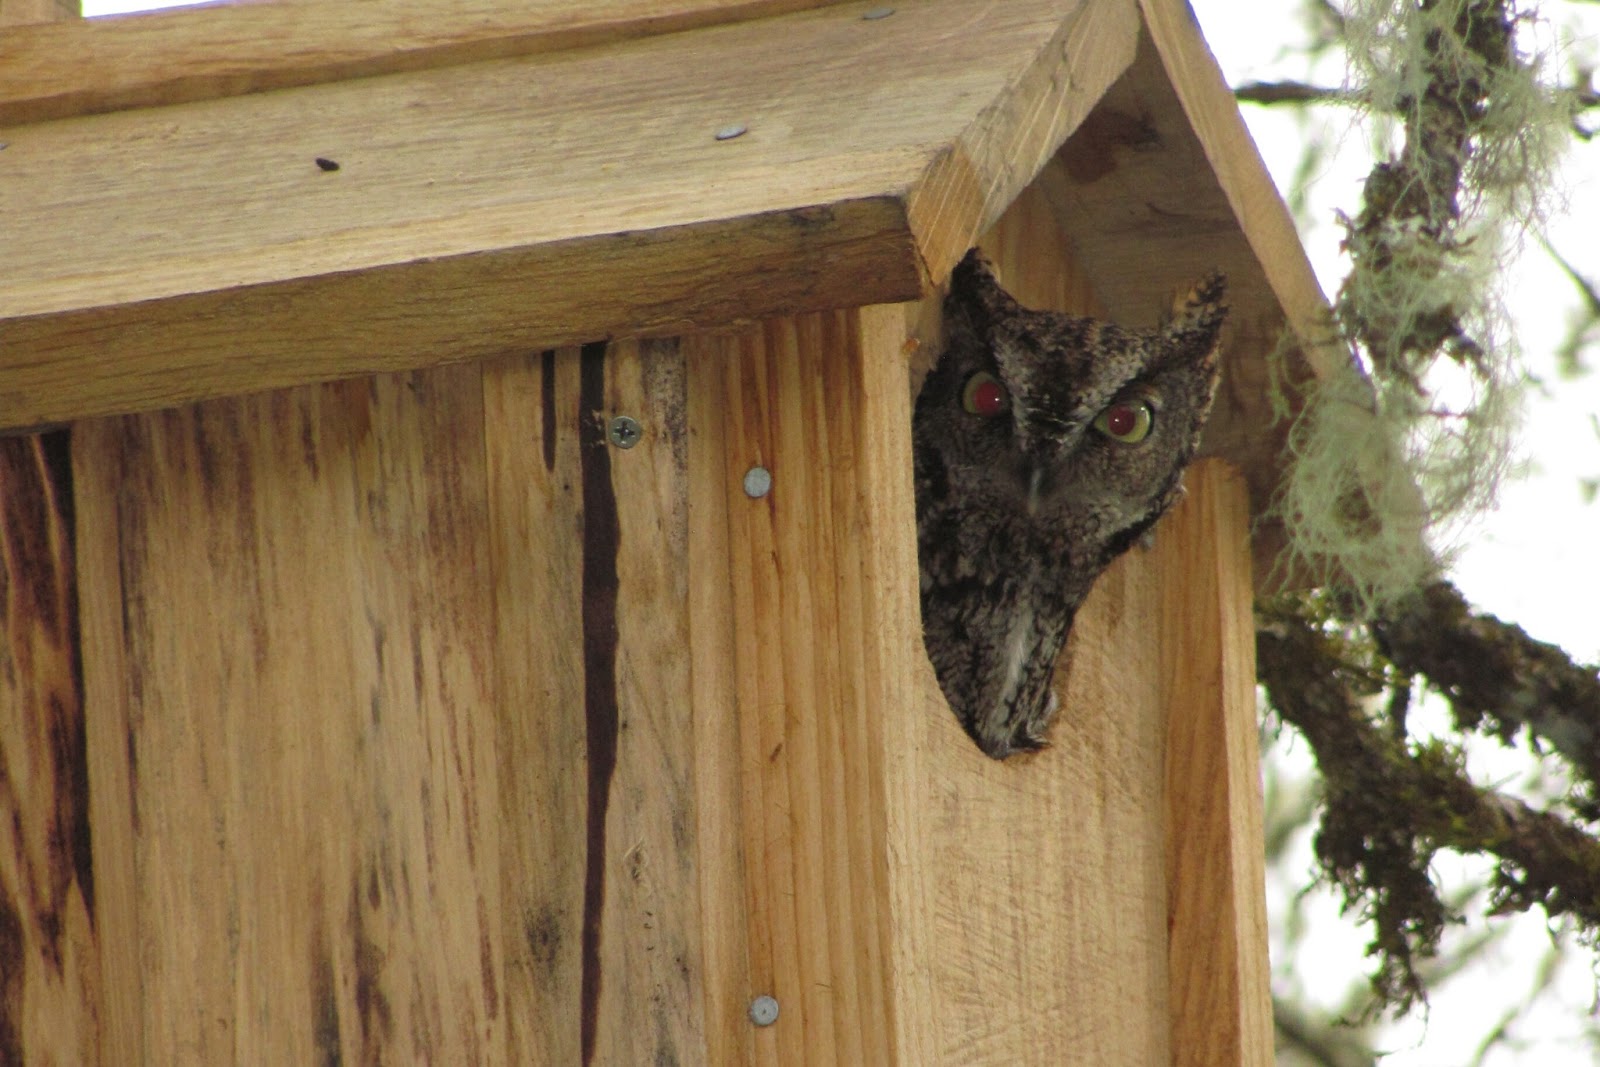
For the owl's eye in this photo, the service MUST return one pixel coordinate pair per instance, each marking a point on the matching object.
(984, 395)
(1127, 423)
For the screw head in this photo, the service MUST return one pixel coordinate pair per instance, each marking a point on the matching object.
(764, 1010)
(730, 131)
(877, 13)
(625, 432)
(757, 482)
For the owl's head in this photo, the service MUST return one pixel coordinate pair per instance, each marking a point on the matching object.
(1069, 419)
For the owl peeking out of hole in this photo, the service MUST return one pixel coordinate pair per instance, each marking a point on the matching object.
(1046, 444)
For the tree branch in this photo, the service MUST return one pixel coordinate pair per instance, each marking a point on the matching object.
(1292, 92)
(1494, 673)
(1391, 804)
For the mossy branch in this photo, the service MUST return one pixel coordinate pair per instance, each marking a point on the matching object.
(1391, 803)
(1498, 679)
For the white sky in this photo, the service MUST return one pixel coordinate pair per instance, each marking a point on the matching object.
(1531, 560)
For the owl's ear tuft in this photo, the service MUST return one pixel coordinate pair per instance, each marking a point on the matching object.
(1203, 308)
(975, 290)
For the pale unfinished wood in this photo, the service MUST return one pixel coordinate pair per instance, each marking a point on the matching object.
(513, 204)
(818, 613)
(1221, 1000)
(17, 13)
(292, 753)
(994, 158)
(171, 57)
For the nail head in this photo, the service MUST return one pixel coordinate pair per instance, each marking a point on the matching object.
(757, 482)
(764, 1010)
(730, 131)
(625, 432)
(878, 13)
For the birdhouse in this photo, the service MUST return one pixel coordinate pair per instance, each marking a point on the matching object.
(460, 561)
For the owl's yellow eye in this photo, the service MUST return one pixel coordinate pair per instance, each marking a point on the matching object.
(1127, 423)
(984, 395)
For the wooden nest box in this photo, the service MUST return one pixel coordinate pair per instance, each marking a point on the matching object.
(400, 664)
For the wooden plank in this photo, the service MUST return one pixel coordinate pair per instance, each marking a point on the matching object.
(762, 677)
(172, 57)
(819, 586)
(601, 820)
(514, 204)
(287, 665)
(49, 954)
(1221, 1000)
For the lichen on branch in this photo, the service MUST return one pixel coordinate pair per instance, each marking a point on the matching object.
(1391, 802)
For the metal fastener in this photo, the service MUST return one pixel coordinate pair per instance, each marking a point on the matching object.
(730, 131)
(878, 13)
(757, 482)
(625, 432)
(764, 1010)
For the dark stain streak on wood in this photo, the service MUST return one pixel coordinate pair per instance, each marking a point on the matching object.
(600, 540)
(12, 976)
(37, 577)
(324, 1003)
(547, 383)
(542, 931)
(372, 1002)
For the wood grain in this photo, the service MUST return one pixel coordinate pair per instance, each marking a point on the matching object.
(18, 13)
(1221, 1000)
(150, 59)
(983, 170)
(287, 665)
(515, 204)
(49, 952)
(761, 684)
(821, 572)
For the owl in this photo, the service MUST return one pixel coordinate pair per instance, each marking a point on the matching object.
(1045, 445)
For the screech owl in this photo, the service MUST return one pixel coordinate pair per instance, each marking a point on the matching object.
(1045, 445)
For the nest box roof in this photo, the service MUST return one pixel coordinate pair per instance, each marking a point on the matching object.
(525, 176)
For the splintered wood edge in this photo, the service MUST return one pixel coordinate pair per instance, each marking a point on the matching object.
(52, 71)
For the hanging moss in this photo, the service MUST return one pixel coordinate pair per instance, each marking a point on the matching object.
(1414, 437)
